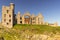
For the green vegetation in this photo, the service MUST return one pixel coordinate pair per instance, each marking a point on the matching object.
(38, 28)
(19, 30)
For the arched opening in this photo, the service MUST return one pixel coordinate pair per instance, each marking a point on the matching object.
(27, 19)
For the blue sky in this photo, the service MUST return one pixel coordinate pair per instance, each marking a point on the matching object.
(49, 8)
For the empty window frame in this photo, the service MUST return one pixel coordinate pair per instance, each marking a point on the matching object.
(20, 18)
(21, 22)
(4, 15)
(7, 11)
(7, 23)
(9, 15)
(9, 20)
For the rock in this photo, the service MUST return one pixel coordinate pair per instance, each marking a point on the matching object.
(1, 38)
(39, 37)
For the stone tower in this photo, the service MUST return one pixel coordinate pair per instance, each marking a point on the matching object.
(33, 19)
(18, 18)
(8, 15)
(40, 19)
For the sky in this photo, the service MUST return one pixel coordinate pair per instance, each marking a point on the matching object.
(50, 9)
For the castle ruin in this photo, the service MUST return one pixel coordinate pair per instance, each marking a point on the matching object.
(9, 18)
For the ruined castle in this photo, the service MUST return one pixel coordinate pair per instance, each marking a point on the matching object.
(9, 18)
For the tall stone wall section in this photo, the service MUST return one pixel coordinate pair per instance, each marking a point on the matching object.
(32, 19)
(8, 15)
(9, 18)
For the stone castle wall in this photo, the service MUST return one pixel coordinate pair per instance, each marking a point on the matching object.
(7, 15)
(8, 18)
(27, 18)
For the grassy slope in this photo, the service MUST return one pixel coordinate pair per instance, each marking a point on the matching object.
(18, 30)
(38, 28)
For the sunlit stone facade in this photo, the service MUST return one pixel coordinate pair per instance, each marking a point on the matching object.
(8, 15)
(27, 18)
(9, 18)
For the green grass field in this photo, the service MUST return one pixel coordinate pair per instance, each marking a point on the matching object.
(18, 30)
(38, 28)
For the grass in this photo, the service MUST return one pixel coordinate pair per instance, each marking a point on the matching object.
(17, 32)
(38, 28)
